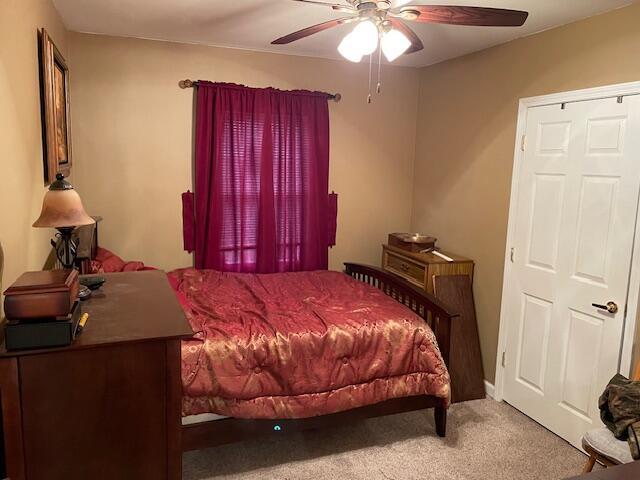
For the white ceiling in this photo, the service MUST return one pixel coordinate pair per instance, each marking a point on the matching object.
(253, 24)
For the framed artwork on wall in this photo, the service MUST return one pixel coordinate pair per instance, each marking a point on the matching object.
(56, 130)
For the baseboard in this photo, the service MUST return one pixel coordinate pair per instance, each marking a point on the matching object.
(489, 388)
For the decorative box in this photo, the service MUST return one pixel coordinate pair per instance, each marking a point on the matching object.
(38, 295)
(58, 332)
(412, 242)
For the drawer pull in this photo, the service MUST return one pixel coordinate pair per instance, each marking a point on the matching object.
(404, 267)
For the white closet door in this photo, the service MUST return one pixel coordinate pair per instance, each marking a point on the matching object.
(575, 223)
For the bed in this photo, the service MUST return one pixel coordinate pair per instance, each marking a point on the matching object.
(295, 351)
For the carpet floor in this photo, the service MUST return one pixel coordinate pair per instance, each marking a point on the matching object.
(485, 440)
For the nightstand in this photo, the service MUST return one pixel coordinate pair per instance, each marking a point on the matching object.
(109, 405)
(420, 268)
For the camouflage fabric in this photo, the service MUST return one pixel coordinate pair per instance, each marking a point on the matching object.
(620, 411)
(634, 440)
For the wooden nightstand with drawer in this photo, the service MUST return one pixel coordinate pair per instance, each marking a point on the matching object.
(420, 268)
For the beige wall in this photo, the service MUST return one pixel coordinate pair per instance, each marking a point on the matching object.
(21, 165)
(466, 134)
(132, 141)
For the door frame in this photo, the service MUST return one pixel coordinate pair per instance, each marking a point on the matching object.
(633, 295)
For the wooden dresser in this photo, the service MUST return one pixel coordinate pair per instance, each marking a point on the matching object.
(420, 268)
(109, 405)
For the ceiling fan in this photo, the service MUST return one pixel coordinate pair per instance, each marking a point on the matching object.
(384, 21)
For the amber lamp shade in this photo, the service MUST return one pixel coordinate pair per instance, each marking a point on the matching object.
(62, 207)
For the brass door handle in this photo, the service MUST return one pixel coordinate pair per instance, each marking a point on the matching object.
(610, 307)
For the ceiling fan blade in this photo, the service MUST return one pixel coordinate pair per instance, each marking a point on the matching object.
(305, 32)
(476, 16)
(416, 43)
(336, 6)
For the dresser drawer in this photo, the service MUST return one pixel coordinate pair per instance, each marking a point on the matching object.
(407, 269)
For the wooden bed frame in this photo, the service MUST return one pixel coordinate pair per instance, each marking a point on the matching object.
(218, 432)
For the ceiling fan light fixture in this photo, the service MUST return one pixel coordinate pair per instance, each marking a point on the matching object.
(350, 49)
(365, 35)
(410, 14)
(394, 43)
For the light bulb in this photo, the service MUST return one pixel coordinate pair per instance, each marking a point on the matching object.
(394, 43)
(349, 48)
(400, 3)
(366, 36)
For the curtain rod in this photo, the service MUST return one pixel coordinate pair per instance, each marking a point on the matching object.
(336, 97)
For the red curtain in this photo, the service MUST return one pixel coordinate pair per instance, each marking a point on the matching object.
(261, 179)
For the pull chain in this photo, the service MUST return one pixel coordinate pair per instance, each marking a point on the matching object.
(370, 65)
(379, 86)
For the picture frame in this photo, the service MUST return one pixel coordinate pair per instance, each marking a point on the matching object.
(56, 114)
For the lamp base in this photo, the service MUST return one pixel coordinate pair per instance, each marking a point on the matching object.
(66, 247)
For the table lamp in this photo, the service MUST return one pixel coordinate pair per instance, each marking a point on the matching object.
(62, 209)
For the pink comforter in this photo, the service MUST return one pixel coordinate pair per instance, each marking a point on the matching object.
(293, 345)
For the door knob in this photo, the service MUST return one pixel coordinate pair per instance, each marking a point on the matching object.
(610, 307)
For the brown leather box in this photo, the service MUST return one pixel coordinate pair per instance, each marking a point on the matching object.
(45, 294)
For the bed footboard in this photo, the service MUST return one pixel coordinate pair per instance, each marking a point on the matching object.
(434, 312)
